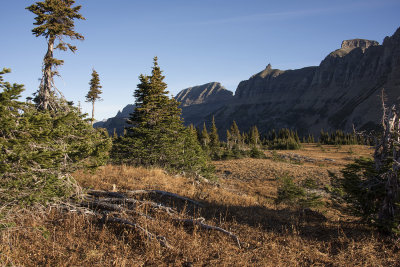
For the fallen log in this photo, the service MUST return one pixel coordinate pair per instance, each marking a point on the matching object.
(164, 193)
(107, 202)
(104, 203)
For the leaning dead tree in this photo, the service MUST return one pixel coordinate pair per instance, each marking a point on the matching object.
(387, 163)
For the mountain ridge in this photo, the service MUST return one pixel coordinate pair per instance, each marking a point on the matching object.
(342, 92)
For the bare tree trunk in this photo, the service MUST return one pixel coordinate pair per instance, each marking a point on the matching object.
(388, 149)
(93, 112)
(45, 89)
(389, 209)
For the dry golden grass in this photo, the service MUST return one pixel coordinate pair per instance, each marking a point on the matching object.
(242, 202)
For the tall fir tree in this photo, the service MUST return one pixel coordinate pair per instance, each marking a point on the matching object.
(235, 133)
(157, 136)
(44, 144)
(214, 137)
(228, 139)
(214, 144)
(254, 136)
(55, 21)
(94, 92)
(205, 138)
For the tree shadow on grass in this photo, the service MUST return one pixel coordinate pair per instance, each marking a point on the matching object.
(306, 223)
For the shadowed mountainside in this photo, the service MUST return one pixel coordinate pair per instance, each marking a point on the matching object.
(344, 90)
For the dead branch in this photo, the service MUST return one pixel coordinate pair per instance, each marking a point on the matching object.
(99, 193)
(161, 239)
(199, 222)
(105, 205)
(135, 202)
(164, 193)
(102, 204)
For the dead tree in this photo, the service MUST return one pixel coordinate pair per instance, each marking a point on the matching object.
(387, 153)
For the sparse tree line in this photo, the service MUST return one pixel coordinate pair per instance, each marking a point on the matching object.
(240, 144)
(339, 137)
(42, 143)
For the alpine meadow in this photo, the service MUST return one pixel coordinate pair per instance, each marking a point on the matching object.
(297, 167)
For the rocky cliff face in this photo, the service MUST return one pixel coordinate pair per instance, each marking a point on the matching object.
(344, 90)
(202, 101)
(204, 94)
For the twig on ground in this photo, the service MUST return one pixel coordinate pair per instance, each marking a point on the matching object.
(199, 222)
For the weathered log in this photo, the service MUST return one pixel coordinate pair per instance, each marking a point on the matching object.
(102, 203)
(164, 193)
(100, 193)
(134, 203)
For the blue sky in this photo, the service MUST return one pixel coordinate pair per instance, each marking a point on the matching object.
(196, 41)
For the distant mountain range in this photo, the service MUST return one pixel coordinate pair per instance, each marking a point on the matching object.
(344, 90)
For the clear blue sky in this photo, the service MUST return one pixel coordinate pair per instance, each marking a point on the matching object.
(196, 41)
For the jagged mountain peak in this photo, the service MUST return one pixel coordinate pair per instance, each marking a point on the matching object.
(268, 71)
(201, 94)
(349, 45)
(358, 43)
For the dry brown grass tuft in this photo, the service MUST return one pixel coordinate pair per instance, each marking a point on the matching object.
(242, 202)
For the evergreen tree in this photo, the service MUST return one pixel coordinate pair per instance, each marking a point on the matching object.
(204, 137)
(285, 139)
(42, 145)
(157, 136)
(235, 133)
(228, 139)
(94, 92)
(371, 187)
(54, 20)
(254, 136)
(40, 149)
(214, 137)
(273, 136)
(310, 138)
(244, 139)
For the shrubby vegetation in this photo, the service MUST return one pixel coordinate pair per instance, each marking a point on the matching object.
(371, 188)
(40, 148)
(298, 195)
(42, 143)
(364, 188)
(285, 139)
(363, 200)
